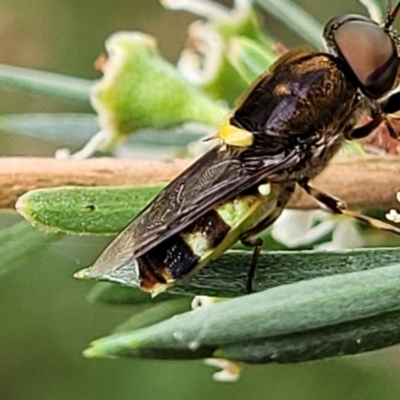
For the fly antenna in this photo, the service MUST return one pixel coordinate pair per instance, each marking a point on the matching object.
(391, 14)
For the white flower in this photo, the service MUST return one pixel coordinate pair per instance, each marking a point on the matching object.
(297, 228)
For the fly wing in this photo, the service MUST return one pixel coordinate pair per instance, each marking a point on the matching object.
(219, 175)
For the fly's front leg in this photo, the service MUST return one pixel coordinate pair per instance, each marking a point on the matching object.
(385, 113)
(390, 109)
(368, 128)
(251, 238)
(337, 206)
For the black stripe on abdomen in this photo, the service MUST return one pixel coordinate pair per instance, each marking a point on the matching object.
(174, 258)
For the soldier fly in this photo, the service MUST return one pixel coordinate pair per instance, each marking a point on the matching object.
(282, 134)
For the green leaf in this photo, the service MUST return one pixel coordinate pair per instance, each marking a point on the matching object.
(156, 313)
(116, 294)
(97, 210)
(71, 129)
(78, 129)
(82, 210)
(296, 19)
(343, 339)
(18, 242)
(227, 276)
(302, 307)
(45, 83)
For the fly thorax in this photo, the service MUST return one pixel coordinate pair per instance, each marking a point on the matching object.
(316, 153)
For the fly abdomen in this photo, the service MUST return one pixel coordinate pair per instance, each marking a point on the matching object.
(193, 247)
(206, 233)
(177, 256)
(165, 262)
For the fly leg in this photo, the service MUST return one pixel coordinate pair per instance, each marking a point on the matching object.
(251, 237)
(365, 130)
(256, 244)
(386, 115)
(337, 206)
(391, 108)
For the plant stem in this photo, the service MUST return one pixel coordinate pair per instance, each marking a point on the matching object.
(369, 182)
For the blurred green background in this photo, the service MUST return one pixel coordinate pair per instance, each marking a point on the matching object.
(45, 318)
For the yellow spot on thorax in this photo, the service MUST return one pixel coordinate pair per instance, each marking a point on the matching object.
(234, 136)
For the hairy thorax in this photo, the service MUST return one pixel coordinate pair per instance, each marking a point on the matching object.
(307, 104)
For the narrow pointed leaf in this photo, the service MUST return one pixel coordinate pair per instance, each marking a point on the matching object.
(45, 83)
(156, 313)
(97, 210)
(71, 129)
(343, 339)
(227, 276)
(285, 310)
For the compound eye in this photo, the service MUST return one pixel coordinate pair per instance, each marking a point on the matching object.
(370, 53)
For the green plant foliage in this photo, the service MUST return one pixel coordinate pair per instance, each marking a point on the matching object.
(295, 18)
(239, 326)
(96, 210)
(308, 304)
(46, 83)
(249, 58)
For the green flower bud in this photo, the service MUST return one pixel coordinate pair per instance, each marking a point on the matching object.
(140, 89)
